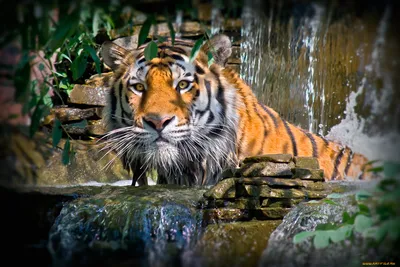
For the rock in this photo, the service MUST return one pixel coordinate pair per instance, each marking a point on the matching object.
(232, 244)
(315, 186)
(266, 191)
(72, 114)
(280, 203)
(220, 189)
(230, 172)
(88, 95)
(225, 214)
(191, 29)
(282, 251)
(247, 203)
(306, 162)
(277, 158)
(308, 174)
(315, 194)
(96, 128)
(271, 213)
(271, 181)
(266, 169)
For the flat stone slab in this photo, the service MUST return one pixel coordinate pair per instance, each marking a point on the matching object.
(220, 189)
(225, 214)
(271, 213)
(271, 181)
(65, 114)
(277, 158)
(308, 174)
(266, 191)
(281, 203)
(306, 162)
(267, 169)
(88, 95)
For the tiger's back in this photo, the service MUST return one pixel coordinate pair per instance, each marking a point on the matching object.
(189, 120)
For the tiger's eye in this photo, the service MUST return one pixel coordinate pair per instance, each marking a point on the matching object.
(183, 84)
(138, 87)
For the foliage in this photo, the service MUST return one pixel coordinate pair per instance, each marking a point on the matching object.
(68, 36)
(377, 218)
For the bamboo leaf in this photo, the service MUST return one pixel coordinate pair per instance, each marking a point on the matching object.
(78, 66)
(150, 51)
(196, 49)
(56, 132)
(171, 32)
(145, 30)
(66, 153)
(94, 56)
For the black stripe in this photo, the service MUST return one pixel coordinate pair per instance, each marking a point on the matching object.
(196, 95)
(265, 133)
(177, 57)
(208, 87)
(181, 66)
(338, 159)
(199, 70)
(196, 78)
(348, 163)
(220, 97)
(313, 143)
(291, 137)
(187, 74)
(210, 117)
(141, 61)
(270, 114)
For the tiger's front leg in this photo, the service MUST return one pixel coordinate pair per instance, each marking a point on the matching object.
(139, 174)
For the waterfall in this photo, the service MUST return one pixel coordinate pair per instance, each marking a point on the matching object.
(327, 68)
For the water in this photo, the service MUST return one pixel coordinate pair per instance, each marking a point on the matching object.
(332, 70)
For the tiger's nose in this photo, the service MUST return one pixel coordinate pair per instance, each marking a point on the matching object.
(158, 123)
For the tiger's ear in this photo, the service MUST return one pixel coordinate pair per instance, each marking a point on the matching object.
(112, 54)
(220, 47)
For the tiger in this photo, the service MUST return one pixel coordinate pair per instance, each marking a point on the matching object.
(189, 118)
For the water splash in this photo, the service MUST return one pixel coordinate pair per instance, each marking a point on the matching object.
(362, 134)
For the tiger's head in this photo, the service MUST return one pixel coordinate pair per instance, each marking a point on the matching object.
(172, 113)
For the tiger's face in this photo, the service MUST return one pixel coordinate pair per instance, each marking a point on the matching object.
(171, 113)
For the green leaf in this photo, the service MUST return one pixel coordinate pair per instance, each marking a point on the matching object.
(56, 132)
(375, 232)
(144, 31)
(196, 48)
(321, 239)
(363, 195)
(392, 227)
(35, 119)
(300, 237)
(363, 209)
(342, 233)
(335, 195)
(375, 169)
(66, 153)
(65, 29)
(78, 66)
(347, 219)
(210, 58)
(362, 222)
(150, 51)
(94, 56)
(391, 169)
(329, 201)
(326, 226)
(171, 32)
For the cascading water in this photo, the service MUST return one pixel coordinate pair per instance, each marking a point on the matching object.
(328, 69)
